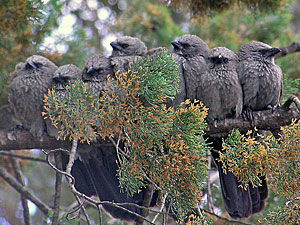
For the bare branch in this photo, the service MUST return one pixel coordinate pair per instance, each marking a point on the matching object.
(263, 120)
(25, 157)
(225, 219)
(58, 186)
(22, 139)
(161, 207)
(24, 191)
(292, 48)
(20, 178)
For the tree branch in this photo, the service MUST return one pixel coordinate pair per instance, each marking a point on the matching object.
(25, 157)
(263, 120)
(292, 48)
(24, 191)
(225, 219)
(58, 185)
(20, 178)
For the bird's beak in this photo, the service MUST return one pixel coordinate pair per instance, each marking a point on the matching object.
(91, 71)
(30, 65)
(272, 52)
(177, 45)
(115, 45)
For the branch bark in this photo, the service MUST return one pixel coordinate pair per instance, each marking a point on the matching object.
(292, 48)
(24, 191)
(58, 185)
(19, 176)
(263, 120)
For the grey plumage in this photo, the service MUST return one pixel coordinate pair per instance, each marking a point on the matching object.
(260, 78)
(219, 88)
(127, 46)
(194, 50)
(95, 72)
(126, 50)
(63, 76)
(30, 83)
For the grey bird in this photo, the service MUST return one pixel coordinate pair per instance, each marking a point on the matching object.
(219, 88)
(126, 50)
(95, 72)
(194, 51)
(127, 46)
(260, 77)
(63, 76)
(30, 83)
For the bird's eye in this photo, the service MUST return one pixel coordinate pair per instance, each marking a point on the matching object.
(263, 51)
(185, 45)
(124, 45)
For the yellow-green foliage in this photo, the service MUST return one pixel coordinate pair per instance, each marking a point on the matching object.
(285, 171)
(73, 112)
(286, 215)
(246, 157)
(249, 158)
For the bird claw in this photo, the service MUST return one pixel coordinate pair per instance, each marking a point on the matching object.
(247, 114)
(272, 107)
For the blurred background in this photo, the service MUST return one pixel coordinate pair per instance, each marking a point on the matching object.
(70, 31)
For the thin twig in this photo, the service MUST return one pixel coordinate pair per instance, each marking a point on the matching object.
(20, 178)
(161, 207)
(209, 195)
(58, 186)
(25, 157)
(24, 191)
(71, 182)
(225, 219)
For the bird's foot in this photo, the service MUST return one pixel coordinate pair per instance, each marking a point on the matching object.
(273, 108)
(247, 114)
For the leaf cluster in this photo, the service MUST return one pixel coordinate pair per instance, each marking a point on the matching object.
(249, 157)
(288, 214)
(73, 112)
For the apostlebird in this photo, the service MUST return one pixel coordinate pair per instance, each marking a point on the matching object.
(219, 88)
(260, 77)
(126, 50)
(95, 72)
(30, 83)
(194, 51)
(261, 82)
(63, 76)
(221, 92)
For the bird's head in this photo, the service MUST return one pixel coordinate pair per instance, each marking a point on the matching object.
(96, 68)
(189, 46)
(258, 51)
(65, 75)
(222, 58)
(37, 62)
(128, 46)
